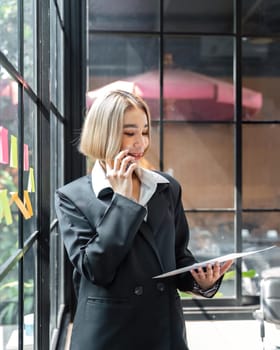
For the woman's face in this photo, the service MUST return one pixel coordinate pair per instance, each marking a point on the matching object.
(135, 137)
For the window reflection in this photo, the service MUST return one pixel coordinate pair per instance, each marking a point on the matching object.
(9, 310)
(30, 164)
(261, 170)
(201, 158)
(30, 62)
(8, 165)
(29, 298)
(124, 15)
(261, 17)
(198, 16)
(260, 230)
(261, 72)
(195, 137)
(211, 235)
(9, 30)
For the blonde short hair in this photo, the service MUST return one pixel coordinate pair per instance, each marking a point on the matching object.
(102, 131)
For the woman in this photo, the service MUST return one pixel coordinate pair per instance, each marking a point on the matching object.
(122, 225)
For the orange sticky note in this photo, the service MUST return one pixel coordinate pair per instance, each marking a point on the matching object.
(25, 212)
(5, 211)
(4, 147)
(27, 203)
(25, 157)
(31, 181)
(14, 152)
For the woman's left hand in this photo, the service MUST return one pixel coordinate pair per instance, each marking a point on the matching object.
(208, 277)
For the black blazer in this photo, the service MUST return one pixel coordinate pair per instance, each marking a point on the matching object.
(115, 254)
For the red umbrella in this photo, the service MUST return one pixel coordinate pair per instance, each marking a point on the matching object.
(187, 95)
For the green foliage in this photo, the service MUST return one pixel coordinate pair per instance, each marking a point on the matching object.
(8, 233)
(9, 24)
(8, 29)
(9, 301)
(230, 275)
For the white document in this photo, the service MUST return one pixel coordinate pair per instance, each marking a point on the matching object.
(219, 259)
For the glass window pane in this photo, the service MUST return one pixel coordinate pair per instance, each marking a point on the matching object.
(261, 170)
(198, 16)
(114, 57)
(30, 58)
(56, 154)
(9, 30)
(53, 54)
(60, 70)
(29, 160)
(261, 72)
(9, 309)
(119, 62)
(198, 78)
(201, 157)
(153, 154)
(29, 298)
(260, 230)
(261, 17)
(60, 4)
(211, 235)
(132, 15)
(8, 164)
(54, 281)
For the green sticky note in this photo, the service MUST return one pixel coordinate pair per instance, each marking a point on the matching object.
(31, 181)
(5, 211)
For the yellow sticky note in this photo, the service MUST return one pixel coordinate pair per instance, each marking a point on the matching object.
(31, 181)
(5, 211)
(14, 152)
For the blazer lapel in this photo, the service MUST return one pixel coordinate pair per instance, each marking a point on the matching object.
(149, 236)
(156, 208)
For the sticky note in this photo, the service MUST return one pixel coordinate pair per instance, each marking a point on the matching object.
(14, 152)
(31, 181)
(27, 203)
(25, 212)
(4, 147)
(25, 157)
(5, 211)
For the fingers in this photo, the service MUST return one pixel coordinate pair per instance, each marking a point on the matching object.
(226, 266)
(209, 272)
(209, 275)
(119, 159)
(122, 165)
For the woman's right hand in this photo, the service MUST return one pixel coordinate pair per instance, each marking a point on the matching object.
(119, 172)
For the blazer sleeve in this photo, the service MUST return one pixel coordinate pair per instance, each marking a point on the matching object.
(96, 252)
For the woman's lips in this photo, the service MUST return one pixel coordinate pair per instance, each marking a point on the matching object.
(136, 155)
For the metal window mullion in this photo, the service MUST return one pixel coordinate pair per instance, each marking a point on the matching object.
(43, 179)
(20, 173)
(238, 141)
(161, 82)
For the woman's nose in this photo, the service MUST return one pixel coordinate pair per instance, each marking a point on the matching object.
(139, 141)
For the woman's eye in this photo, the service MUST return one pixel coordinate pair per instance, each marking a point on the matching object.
(129, 133)
(145, 133)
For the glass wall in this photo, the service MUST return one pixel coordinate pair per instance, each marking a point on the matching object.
(28, 126)
(57, 282)
(209, 72)
(260, 34)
